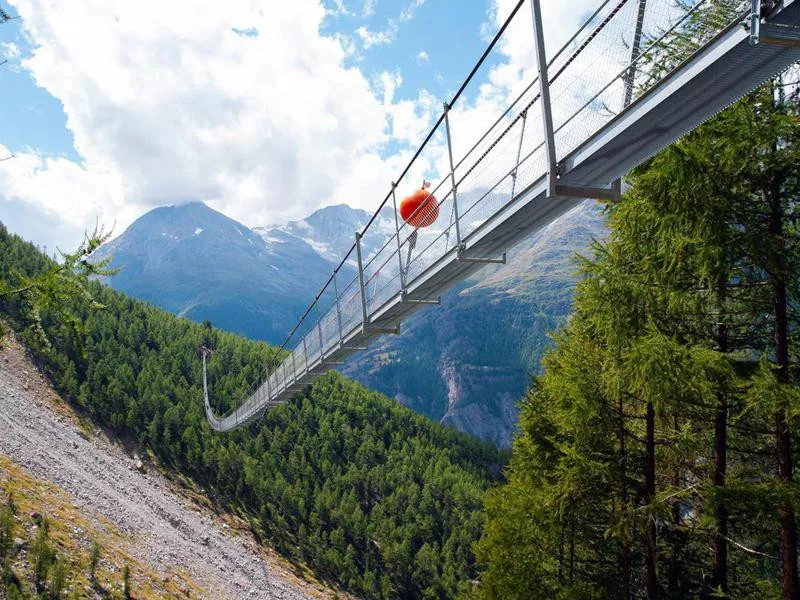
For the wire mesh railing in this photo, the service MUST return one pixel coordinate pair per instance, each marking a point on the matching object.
(618, 54)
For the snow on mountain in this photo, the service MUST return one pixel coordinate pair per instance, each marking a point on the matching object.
(330, 231)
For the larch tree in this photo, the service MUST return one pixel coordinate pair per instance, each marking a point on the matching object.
(660, 434)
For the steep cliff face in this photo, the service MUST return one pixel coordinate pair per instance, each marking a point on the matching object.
(468, 361)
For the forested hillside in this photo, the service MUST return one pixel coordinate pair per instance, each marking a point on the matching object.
(656, 452)
(378, 499)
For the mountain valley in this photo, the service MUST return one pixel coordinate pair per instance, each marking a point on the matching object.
(465, 363)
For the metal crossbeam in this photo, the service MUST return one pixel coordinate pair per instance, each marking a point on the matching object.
(572, 191)
(779, 35)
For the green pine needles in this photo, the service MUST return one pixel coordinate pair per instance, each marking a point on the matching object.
(53, 286)
(655, 457)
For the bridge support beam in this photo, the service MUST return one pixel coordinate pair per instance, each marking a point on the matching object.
(779, 35)
(459, 244)
(755, 22)
(364, 318)
(338, 309)
(399, 245)
(544, 98)
(775, 34)
(422, 301)
(611, 194)
(488, 261)
(391, 330)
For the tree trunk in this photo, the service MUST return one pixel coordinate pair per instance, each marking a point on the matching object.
(651, 580)
(676, 579)
(783, 436)
(720, 543)
(625, 554)
(561, 554)
(572, 551)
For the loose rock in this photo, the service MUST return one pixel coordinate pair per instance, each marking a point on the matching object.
(101, 482)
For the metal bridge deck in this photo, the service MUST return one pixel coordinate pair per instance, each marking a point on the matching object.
(725, 68)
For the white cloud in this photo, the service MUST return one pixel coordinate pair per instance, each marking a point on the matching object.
(9, 56)
(410, 10)
(388, 35)
(378, 38)
(422, 57)
(410, 120)
(10, 50)
(339, 9)
(182, 107)
(265, 125)
(368, 8)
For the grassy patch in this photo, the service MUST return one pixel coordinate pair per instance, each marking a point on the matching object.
(47, 526)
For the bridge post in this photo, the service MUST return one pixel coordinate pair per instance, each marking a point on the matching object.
(361, 284)
(269, 388)
(519, 154)
(635, 48)
(399, 245)
(338, 310)
(305, 352)
(321, 345)
(755, 23)
(294, 368)
(459, 245)
(544, 97)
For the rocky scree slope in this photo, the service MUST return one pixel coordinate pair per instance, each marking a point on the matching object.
(160, 526)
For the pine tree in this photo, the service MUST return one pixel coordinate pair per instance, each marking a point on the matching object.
(655, 405)
(54, 288)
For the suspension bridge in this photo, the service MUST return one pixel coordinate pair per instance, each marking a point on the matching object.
(635, 76)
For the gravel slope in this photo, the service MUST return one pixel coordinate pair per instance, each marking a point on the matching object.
(168, 532)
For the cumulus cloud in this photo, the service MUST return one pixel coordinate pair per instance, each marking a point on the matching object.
(388, 35)
(255, 112)
(179, 106)
(338, 8)
(409, 120)
(422, 57)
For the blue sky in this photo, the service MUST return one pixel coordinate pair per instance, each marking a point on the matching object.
(434, 49)
(113, 108)
(421, 49)
(39, 121)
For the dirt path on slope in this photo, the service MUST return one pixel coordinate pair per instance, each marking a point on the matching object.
(174, 536)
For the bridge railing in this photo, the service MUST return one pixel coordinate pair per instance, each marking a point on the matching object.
(480, 157)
